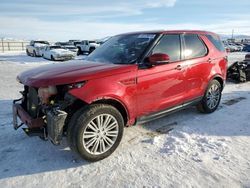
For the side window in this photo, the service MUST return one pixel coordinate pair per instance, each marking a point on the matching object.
(194, 47)
(216, 42)
(171, 45)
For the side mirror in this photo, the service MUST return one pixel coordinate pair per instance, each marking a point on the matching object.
(158, 58)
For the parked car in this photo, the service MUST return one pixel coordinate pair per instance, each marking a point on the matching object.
(87, 46)
(236, 47)
(67, 45)
(56, 52)
(239, 46)
(75, 42)
(231, 48)
(36, 47)
(247, 57)
(131, 79)
(239, 71)
(246, 48)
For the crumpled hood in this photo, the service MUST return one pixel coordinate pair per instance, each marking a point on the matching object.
(71, 72)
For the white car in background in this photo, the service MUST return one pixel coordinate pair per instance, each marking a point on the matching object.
(87, 46)
(56, 52)
(231, 47)
(36, 48)
(67, 45)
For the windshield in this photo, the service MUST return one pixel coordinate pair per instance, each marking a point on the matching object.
(122, 49)
(41, 42)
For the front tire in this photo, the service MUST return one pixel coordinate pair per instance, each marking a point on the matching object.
(27, 52)
(91, 50)
(52, 58)
(79, 51)
(212, 97)
(95, 131)
(34, 53)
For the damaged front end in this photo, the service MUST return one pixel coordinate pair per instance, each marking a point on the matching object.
(43, 110)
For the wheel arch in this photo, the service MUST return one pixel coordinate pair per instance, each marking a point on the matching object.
(120, 106)
(219, 79)
(117, 104)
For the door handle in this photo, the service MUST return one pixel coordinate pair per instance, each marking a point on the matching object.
(178, 67)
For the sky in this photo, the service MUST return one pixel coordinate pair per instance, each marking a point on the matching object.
(94, 19)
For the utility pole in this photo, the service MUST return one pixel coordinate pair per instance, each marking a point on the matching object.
(233, 34)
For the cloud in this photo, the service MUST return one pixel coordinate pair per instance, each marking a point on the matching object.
(67, 19)
(66, 7)
(32, 28)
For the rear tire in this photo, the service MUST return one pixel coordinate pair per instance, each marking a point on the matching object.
(52, 58)
(211, 99)
(95, 131)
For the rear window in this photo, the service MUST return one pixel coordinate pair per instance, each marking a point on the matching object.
(216, 42)
(194, 47)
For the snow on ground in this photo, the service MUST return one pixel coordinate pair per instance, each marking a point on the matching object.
(185, 149)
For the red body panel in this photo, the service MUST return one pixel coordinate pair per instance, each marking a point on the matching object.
(120, 87)
(159, 88)
(140, 91)
(200, 71)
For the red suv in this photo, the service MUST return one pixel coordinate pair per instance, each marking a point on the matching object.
(131, 79)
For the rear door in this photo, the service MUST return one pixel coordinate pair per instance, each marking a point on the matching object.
(162, 86)
(195, 54)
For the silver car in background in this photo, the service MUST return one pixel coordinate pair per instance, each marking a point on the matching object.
(57, 53)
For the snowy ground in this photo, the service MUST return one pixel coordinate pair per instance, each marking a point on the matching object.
(186, 149)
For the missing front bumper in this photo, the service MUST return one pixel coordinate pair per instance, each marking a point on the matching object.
(53, 127)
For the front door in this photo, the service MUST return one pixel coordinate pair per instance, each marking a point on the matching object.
(162, 86)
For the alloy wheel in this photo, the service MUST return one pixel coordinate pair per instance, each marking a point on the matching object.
(100, 134)
(213, 96)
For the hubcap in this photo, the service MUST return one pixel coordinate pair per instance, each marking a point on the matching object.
(100, 134)
(213, 96)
